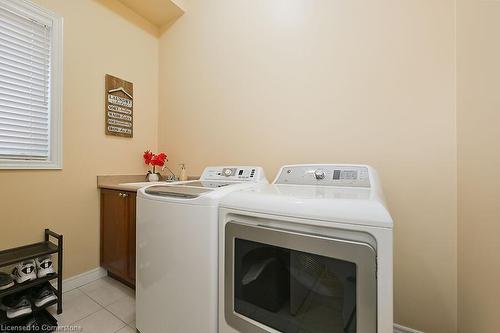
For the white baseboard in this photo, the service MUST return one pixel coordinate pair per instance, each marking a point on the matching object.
(402, 329)
(83, 279)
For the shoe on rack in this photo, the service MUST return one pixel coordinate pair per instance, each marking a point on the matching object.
(43, 294)
(25, 271)
(31, 325)
(6, 281)
(44, 266)
(38, 323)
(16, 305)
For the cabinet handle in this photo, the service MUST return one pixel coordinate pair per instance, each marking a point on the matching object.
(125, 195)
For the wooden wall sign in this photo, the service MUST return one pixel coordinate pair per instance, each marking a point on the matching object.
(119, 107)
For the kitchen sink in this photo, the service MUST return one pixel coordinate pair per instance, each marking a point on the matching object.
(136, 186)
(140, 184)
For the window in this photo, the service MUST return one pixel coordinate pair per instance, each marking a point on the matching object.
(30, 87)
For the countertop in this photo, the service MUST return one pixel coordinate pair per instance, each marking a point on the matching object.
(129, 183)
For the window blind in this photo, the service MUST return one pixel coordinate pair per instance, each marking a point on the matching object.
(25, 53)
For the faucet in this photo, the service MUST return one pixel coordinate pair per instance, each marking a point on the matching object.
(170, 178)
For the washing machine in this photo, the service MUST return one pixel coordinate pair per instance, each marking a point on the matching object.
(311, 252)
(177, 244)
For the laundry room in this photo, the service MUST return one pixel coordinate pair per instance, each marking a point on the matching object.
(242, 166)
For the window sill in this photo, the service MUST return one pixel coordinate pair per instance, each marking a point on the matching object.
(30, 165)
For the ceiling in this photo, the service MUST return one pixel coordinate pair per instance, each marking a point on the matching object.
(158, 12)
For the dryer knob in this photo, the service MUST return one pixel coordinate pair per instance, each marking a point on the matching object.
(319, 174)
(228, 172)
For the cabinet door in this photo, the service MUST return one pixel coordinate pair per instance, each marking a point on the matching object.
(115, 232)
(131, 208)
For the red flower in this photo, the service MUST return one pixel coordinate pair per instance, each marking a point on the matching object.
(154, 159)
(159, 160)
(148, 157)
(162, 157)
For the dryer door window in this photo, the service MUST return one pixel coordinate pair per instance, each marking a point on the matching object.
(291, 282)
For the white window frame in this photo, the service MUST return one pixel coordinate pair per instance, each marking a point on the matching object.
(30, 10)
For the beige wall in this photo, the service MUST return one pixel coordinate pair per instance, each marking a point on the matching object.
(291, 81)
(478, 163)
(275, 82)
(67, 200)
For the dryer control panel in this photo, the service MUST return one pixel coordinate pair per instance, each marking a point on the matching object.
(234, 173)
(325, 174)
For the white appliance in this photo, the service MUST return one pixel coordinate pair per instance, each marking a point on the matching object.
(311, 252)
(177, 231)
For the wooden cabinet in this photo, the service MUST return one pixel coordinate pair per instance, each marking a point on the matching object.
(118, 234)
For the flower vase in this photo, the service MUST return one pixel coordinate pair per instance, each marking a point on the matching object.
(153, 177)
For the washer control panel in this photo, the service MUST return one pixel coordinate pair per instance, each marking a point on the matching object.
(233, 173)
(325, 174)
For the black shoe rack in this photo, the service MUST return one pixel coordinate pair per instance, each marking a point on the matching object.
(19, 254)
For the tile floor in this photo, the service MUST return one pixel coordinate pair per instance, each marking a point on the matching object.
(102, 306)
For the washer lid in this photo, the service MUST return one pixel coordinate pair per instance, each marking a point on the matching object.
(209, 184)
(361, 206)
(177, 191)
